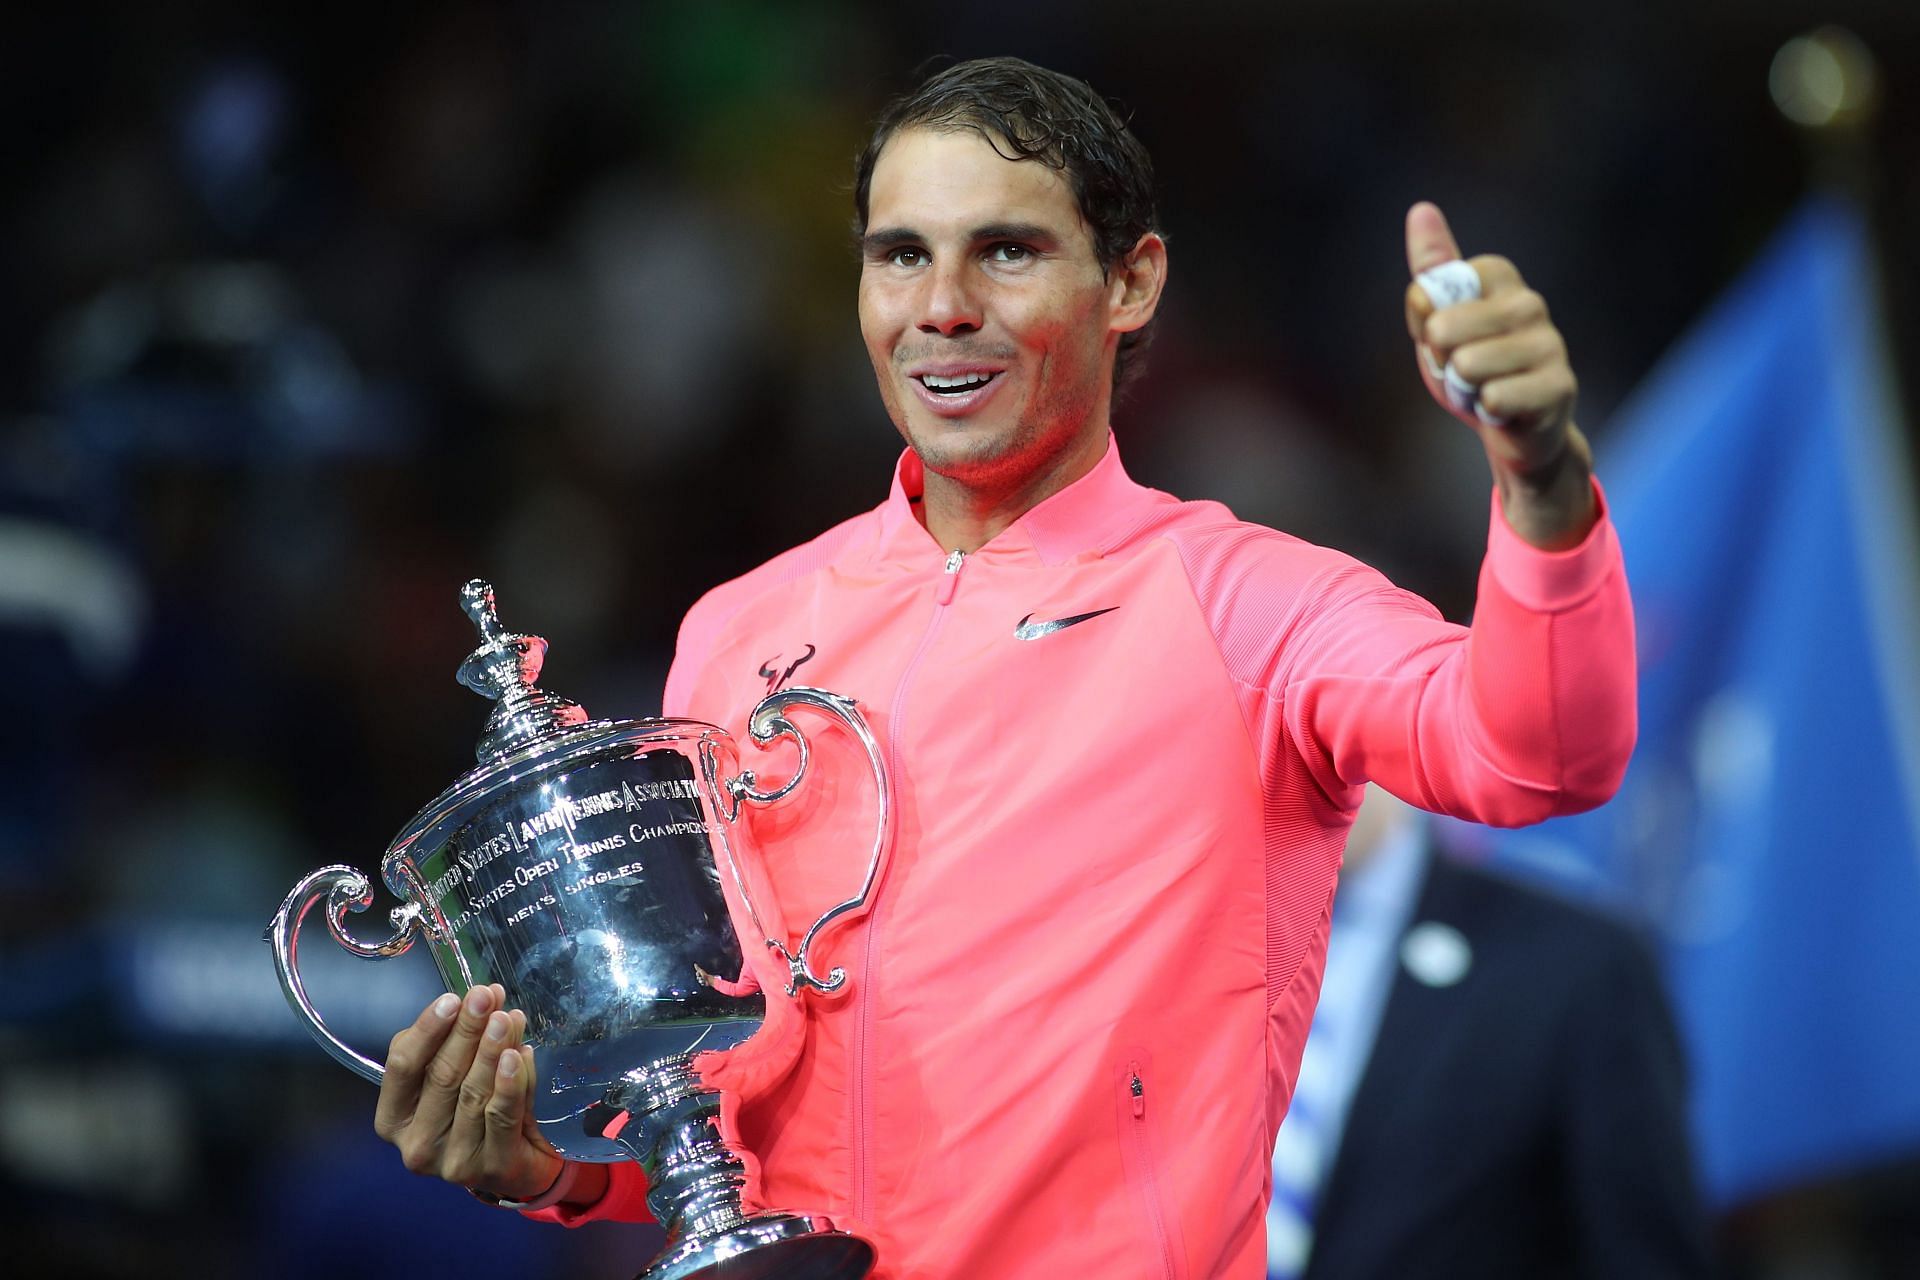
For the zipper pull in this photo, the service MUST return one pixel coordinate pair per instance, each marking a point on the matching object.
(1138, 1089)
(950, 579)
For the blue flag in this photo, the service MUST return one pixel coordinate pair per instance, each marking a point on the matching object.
(1769, 825)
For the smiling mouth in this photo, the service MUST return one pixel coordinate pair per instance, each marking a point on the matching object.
(958, 384)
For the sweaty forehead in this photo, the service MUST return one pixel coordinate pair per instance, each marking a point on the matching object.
(946, 180)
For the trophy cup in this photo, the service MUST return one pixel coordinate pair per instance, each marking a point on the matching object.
(578, 867)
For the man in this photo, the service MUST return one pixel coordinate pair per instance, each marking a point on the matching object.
(1493, 1086)
(1126, 735)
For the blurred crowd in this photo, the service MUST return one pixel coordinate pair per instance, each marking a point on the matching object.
(308, 315)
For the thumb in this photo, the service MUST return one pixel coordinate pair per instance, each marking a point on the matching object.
(1429, 240)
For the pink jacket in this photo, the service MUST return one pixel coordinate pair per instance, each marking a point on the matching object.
(1077, 1007)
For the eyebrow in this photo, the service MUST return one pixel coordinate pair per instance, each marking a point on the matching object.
(881, 240)
(888, 238)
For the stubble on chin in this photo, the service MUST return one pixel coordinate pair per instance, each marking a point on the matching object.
(961, 451)
(976, 458)
(985, 456)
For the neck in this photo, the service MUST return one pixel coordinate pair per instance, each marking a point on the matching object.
(965, 513)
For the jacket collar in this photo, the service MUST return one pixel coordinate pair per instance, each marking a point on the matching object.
(1088, 517)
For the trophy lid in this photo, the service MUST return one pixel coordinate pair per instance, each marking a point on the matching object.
(529, 736)
(504, 668)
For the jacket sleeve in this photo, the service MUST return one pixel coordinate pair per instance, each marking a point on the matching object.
(624, 1200)
(1528, 714)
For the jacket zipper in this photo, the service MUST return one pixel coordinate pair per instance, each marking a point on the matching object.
(863, 1027)
(1136, 1136)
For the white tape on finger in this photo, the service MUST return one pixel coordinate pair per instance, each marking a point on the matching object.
(1464, 396)
(1448, 285)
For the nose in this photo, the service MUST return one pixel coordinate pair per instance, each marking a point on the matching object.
(950, 304)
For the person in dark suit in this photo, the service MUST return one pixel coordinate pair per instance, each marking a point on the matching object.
(1493, 1087)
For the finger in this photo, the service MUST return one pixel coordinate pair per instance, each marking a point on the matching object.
(1419, 308)
(1535, 347)
(1429, 243)
(1429, 240)
(1468, 322)
(1497, 274)
(1434, 291)
(506, 1148)
(440, 1092)
(407, 1056)
(1530, 396)
(463, 1160)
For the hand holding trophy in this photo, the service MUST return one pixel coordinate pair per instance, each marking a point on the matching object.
(575, 875)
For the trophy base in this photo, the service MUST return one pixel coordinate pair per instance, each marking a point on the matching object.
(770, 1247)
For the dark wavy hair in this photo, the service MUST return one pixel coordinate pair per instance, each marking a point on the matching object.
(1030, 113)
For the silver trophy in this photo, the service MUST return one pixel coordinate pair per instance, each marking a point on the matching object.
(579, 867)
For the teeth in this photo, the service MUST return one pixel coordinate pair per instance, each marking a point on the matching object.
(959, 380)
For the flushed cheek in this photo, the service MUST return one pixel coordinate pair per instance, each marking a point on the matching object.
(1051, 351)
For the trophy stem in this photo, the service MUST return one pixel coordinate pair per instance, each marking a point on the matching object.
(693, 1179)
(694, 1182)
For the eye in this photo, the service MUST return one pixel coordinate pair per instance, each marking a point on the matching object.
(908, 256)
(1009, 252)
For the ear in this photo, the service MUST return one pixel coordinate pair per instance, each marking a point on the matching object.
(1136, 283)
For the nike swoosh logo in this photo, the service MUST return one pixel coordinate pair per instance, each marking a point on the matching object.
(1031, 630)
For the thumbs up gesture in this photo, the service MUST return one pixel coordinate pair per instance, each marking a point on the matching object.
(1510, 381)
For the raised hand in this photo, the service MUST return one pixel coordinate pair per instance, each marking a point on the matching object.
(1504, 345)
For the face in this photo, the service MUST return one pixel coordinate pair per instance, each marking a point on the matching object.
(988, 319)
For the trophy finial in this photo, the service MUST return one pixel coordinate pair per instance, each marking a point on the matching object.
(476, 598)
(504, 668)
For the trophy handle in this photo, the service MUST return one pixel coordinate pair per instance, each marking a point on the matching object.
(769, 723)
(345, 890)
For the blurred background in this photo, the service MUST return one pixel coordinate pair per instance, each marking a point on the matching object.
(308, 314)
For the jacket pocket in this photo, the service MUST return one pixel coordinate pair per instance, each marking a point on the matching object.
(1135, 1102)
